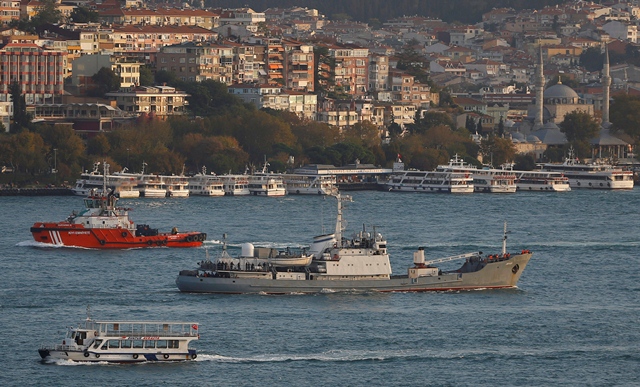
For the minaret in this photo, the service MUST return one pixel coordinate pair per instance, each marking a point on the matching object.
(537, 123)
(606, 86)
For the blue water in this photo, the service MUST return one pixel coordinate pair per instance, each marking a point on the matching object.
(573, 321)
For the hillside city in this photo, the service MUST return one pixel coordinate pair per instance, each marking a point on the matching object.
(225, 88)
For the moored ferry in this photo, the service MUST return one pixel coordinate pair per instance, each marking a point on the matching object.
(266, 184)
(125, 342)
(308, 184)
(124, 187)
(235, 185)
(542, 181)
(428, 181)
(484, 180)
(205, 185)
(594, 176)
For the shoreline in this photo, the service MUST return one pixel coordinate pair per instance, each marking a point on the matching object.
(36, 191)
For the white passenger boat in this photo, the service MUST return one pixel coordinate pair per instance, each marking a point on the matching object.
(266, 184)
(125, 342)
(484, 180)
(205, 185)
(542, 181)
(235, 185)
(123, 187)
(308, 184)
(152, 186)
(176, 186)
(594, 176)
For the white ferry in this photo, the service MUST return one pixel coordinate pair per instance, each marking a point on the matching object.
(427, 181)
(235, 185)
(124, 187)
(266, 184)
(205, 185)
(125, 342)
(176, 186)
(484, 180)
(595, 176)
(542, 181)
(152, 186)
(308, 184)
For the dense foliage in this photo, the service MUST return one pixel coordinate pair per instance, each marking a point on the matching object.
(467, 11)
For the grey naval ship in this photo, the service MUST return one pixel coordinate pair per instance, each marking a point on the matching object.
(358, 264)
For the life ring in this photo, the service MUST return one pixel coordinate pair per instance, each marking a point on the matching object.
(193, 355)
(102, 242)
(149, 243)
(124, 234)
(97, 355)
(86, 354)
(336, 257)
(135, 355)
(166, 356)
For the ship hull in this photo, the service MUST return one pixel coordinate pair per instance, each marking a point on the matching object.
(124, 357)
(496, 275)
(75, 235)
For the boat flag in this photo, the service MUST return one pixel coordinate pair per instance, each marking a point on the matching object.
(194, 326)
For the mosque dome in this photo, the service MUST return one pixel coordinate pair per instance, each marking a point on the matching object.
(560, 94)
(534, 139)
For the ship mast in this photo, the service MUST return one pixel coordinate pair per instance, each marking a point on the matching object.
(504, 239)
(339, 228)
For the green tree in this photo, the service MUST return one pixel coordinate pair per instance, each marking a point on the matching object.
(21, 119)
(624, 115)
(48, 13)
(105, 81)
(146, 76)
(83, 14)
(592, 59)
(497, 151)
(579, 126)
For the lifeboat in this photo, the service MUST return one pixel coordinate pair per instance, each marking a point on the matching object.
(102, 225)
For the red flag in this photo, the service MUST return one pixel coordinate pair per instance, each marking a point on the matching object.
(195, 326)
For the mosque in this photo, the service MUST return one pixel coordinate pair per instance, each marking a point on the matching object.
(541, 126)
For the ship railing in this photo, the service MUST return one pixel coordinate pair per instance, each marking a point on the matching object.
(181, 329)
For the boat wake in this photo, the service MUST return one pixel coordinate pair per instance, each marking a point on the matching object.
(329, 356)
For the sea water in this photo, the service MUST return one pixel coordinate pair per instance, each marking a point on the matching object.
(572, 321)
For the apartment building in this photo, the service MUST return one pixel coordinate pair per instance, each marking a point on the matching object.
(39, 72)
(198, 61)
(158, 101)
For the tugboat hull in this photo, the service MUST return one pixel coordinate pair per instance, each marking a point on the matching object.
(75, 235)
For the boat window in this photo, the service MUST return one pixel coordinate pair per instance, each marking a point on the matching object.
(137, 343)
(97, 344)
(174, 344)
(161, 344)
(114, 343)
(125, 344)
(149, 344)
(71, 334)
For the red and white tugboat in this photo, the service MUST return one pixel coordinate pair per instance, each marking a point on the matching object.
(102, 225)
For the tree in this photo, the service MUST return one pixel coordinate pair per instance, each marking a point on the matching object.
(48, 13)
(501, 127)
(497, 150)
(624, 115)
(579, 126)
(146, 76)
(105, 80)
(592, 59)
(84, 15)
(21, 119)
